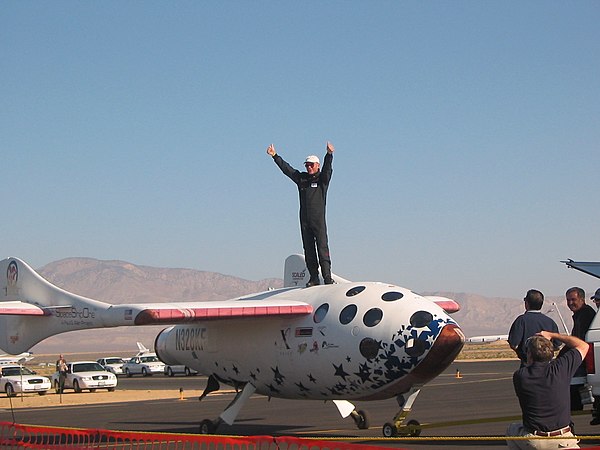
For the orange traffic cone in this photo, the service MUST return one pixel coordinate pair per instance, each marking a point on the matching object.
(458, 375)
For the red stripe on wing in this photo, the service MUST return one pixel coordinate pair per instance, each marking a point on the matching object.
(158, 316)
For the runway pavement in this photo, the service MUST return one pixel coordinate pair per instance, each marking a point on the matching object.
(479, 404)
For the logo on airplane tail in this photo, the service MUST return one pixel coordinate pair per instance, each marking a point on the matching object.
(12, 274)
(298, 276)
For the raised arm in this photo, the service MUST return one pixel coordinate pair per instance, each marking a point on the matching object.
(569, 341)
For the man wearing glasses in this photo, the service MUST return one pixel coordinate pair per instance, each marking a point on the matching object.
(312, 189)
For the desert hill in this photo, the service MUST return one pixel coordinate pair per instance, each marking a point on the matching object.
(123, 282)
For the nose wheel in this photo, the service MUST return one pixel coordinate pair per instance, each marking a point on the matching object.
(411, 429)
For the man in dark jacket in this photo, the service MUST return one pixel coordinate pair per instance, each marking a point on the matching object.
(583, 314)
(528, 324)
(312, 189)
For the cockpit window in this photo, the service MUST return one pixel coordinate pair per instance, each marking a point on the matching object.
(421, 319)
(369, 348)
(392, 296)
(321, 312)
(355, 291)
(348, 314)
(372, 317)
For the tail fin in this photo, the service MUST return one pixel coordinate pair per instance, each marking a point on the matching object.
(142, 348)
(295, 272)
(32, 309)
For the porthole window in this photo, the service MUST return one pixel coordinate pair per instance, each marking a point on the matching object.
(369, 348)
(355, 291)
(415, 347)
(392, 296)
(421, 319)
(321, 312)
(348, 314)
(372, 317)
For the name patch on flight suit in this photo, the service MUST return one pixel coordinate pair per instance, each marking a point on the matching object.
(314, 185)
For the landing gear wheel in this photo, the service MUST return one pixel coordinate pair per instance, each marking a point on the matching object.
(361, 419)
(389, 430)
(207, 427)
(413, 428)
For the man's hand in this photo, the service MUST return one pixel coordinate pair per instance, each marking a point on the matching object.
(546, 334)
(271, 150)
(330, 148)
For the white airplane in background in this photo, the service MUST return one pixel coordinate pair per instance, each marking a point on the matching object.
(15, 359)
(340, 342)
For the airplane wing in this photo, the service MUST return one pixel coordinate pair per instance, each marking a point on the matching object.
(173, 313)
(18, 308)
(590, 267)
(447, 304)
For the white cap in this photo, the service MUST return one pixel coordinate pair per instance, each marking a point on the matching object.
(312, 159)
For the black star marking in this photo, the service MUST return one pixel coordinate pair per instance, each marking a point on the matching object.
(339, 371)
(278, 377)
(253, 376)
(334, 391)
(236, 370)
(311, 378)
(273, 389)
(348, 359)
(364, 373)
(302, 387)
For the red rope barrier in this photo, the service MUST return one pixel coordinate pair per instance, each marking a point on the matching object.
(18, 436)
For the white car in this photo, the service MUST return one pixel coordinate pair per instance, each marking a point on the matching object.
(146, 365)
(171, 371)
(86, 375)
(15, 379)
(113, 364)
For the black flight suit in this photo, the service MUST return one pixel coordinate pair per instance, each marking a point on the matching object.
(313, 197)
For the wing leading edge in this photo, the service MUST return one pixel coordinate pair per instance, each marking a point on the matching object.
(590, 267)
(196, 312)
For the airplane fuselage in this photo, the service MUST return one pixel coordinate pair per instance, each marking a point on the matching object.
(362, 341)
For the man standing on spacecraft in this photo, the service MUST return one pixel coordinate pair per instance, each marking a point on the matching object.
(312, 188)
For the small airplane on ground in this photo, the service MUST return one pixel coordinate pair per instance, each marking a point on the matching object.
(15, 359)
(340, 342)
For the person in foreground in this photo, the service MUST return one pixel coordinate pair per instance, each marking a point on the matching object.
(542, 387)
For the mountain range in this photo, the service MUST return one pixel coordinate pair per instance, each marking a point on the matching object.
(123, 282)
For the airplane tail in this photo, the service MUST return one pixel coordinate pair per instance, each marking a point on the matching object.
(142, 348)
(32, 309)
(295, 272)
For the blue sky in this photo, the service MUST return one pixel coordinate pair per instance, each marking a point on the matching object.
(466, 133)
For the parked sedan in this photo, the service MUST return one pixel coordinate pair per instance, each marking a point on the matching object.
(171, 371)
(146, 365)
(15, 379)
(113, 364)
(86, 375)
